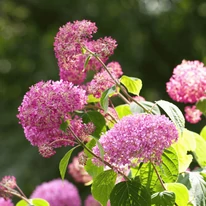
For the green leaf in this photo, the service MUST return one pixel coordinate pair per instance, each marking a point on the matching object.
(103, 185)
(104, 101)
(148, 177)
(64, 162)
(87, 60)
(186, 142)
(203, 133)
(92, 99)
(169, 168)
(181, 193)
(133, 85)
(164, 198)
(200, 150)
(150, 106)
(196, 185)
(34, 202)
(83, 50)
(97, 119)
(130, 193)
(64, 125)
(173, 112)
(201, 105)
(123, 110)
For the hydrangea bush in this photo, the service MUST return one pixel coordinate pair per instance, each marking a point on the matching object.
(135, 153)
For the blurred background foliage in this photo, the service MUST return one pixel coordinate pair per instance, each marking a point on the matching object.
(153, 37)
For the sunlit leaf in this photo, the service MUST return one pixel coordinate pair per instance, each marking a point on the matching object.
(34, 202)
(92, 99)
(64, 162)
(130, 193)
(201, 105)
(103, 185)
(164, 198)
(133, 85)
(173, 112)
(123, 110)
(203, 133)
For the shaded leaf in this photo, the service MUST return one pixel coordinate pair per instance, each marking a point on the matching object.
(164, 198)
(103, 185)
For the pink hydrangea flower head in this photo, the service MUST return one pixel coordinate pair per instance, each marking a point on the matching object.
(188, 82)
(139, 98)
(141, 137)
(192, 114)
(5, 202)
(77, 171)
(103, 81)
(68, 50)
(9, 181)
(90, 201)
(58, 192)
(44, 107)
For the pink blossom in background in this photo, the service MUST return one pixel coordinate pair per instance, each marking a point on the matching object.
(77, 171)
(141, 136)
(103, 81)
(58, 193)
(188, 82)
(5, 202)
(139, 98)
(9, 181)
(67, 46)
(43, 108)
(192, 114)
(90, 201)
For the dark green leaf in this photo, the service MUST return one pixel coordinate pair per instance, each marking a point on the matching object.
(64, 125)
(130, 193)
(97, 119)
(201, 105)
(104, 101)
(64, 162)
(133, 85)
(103, 185)
(164, 198)
(173, 112)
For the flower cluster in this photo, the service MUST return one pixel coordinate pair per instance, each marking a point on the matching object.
(77, 171)
(5, 202)
(44, 108)
(102, 80)
(58, 192)
(187, 83)
(68, 50)
(6, 184)
(90, 201)
(141, 137)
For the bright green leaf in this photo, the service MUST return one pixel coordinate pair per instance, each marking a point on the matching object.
(200, 150)
(123, 110)
(104, 101)
(173, 112)
(203, 133)
(83, 50)
(150, 106)
(64, 162)
(133, 85)
(201, 105)
(181, 193)
(34, 202)
(168, 170)
(130, 193)
(92, 99)
(164, 198)
(103, 185)
(97, 119)
(186, 142)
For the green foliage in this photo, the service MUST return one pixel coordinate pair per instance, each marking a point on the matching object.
(92, 99)
(130, 193)
(181, 193)
(103, 185)
(104, 101)
(168, 170)
(196, 185)
(164, 198)
(87, 60)
(173, 112)
(133, 85)
(150, 106)
(123, 110)
(203, 133)
(97, 119)
(64, 125)
(64, 162)
(34, 202)
(201, 105)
